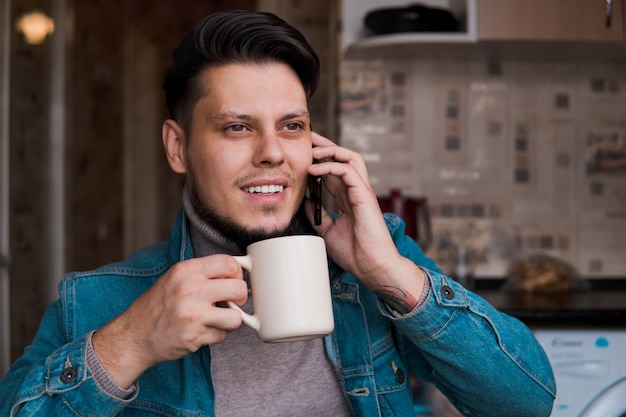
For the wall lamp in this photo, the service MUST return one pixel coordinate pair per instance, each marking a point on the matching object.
(35, 26)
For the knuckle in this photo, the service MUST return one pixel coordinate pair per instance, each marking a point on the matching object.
(177, 269)
(179, 289)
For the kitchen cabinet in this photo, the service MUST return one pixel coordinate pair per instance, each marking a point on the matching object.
(550, 20)
(560, 27)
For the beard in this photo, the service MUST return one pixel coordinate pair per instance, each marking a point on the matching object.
(242, 236)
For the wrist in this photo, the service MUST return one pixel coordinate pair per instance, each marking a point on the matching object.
(102, 377)
(117, 356)
(402, 287)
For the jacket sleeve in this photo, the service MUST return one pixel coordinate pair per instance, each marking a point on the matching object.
(486, 362)
(52, 377)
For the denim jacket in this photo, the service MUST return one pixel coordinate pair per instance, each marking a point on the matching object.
(487, 363)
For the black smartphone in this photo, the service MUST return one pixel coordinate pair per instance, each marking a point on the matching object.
(315, 192)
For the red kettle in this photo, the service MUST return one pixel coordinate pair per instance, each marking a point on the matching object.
(414, 211)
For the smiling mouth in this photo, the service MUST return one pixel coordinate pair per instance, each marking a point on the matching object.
(264, 189)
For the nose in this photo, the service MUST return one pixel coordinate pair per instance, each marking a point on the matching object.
(269, 150)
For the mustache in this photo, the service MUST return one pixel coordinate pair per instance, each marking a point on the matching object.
(240, 181)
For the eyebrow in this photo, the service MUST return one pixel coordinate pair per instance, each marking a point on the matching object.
(249, 118)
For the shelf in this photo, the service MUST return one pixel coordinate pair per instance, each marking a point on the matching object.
(355, 36)
(413, 38)
(404, 49)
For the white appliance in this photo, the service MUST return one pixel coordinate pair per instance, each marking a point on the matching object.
(590, 371)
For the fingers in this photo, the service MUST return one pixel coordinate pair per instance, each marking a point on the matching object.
(328, 152)
(180, 312)
(208, 328)
(198, 287)
(213, 278)
(211, 327)
(325, 149)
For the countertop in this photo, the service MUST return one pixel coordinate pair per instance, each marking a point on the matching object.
(602, 304)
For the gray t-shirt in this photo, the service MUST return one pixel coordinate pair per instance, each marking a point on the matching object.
(259, 379)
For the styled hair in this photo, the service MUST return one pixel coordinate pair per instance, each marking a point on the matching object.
(234, 37)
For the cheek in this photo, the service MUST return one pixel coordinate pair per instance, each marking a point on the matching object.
(303, 175)
(216, 164)
(305, 160)
(208, 174)
(302, 157)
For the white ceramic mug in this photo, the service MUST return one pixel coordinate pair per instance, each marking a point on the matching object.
(290, 288)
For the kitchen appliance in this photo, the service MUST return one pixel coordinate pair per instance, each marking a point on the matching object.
(590, 371)
(414, 211)
(412, 18)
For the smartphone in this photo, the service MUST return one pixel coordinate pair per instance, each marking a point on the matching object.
(315, 191)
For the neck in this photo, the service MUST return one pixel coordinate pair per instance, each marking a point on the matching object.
(204, 238)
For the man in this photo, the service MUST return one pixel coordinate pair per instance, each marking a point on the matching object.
(151, 336)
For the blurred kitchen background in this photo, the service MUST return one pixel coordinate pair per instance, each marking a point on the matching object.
(496, 127)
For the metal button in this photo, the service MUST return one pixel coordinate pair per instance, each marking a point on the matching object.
(68, 375)
(336, 286)
(447, 292)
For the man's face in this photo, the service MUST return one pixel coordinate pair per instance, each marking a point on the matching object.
(249, 147)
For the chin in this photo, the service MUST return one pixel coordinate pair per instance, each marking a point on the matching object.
(269, 226)
(244, 226)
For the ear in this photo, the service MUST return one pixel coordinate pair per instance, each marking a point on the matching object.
(175, 145)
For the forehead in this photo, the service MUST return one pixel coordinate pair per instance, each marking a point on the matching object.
(251, 85)
(249, 72)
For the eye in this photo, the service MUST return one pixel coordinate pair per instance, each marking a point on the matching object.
(236, 128)
(294, 126)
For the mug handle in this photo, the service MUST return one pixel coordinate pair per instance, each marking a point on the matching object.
(252, 320)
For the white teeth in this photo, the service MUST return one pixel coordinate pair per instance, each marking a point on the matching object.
(264, 189)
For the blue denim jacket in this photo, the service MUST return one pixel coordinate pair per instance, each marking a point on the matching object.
(487, 363)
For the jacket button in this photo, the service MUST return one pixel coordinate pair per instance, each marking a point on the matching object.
(400, 377)
(68, 375)
(447, 292)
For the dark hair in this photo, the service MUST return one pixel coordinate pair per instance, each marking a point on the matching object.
(234, 37)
